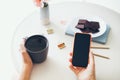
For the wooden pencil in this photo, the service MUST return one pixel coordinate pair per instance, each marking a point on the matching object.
(99, 47)
(98, 55)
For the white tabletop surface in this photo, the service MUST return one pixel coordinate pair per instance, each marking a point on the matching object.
(12, 12)
(56, 65)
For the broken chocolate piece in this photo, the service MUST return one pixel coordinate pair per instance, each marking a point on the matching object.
(88, 26)
(81, 26)
(94, 25)
(82, 21)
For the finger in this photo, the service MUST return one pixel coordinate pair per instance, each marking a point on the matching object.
(71, 54)
(26, 57)
(73, 69)
(22, 48)
(24, 53)
(79, 68)
(70, 60)
(91, 59)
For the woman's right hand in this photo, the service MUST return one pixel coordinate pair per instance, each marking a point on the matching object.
(87, 73)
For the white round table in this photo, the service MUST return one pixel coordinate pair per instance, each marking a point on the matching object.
(56, 65)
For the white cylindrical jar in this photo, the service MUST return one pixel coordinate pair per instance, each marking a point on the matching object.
(44, 14)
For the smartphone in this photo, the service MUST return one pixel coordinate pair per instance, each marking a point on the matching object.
(81, 49)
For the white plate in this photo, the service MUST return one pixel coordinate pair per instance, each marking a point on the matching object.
(102, 24)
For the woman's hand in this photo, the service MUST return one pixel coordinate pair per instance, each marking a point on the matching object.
(87, 73)
(27, 64)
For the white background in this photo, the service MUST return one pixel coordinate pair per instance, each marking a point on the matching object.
(12, 12)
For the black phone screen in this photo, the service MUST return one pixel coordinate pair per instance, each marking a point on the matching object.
(81, 50)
